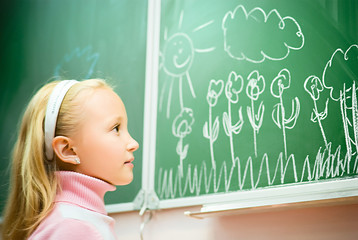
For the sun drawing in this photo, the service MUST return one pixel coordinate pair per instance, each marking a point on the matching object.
(176, 60)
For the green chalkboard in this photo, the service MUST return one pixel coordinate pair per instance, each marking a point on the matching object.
(255, 94)
(44, 40)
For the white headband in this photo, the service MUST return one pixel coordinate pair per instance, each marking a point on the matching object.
(53, 106)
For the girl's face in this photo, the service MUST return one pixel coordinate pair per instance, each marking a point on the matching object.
(103, 143)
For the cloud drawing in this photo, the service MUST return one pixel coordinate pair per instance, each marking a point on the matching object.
(255, 36)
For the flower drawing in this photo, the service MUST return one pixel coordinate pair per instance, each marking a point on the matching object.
(233, 87)
(281, 82)
(313, 86)
(256, 85)
(214, 91)
(183, 122)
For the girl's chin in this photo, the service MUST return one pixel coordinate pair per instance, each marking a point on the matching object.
(123, 181)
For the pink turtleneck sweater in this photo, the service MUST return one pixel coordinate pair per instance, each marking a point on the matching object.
(79, 211)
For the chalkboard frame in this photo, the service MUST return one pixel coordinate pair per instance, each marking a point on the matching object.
(288, 193)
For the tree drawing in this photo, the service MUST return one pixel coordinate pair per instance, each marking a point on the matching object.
(340, 79)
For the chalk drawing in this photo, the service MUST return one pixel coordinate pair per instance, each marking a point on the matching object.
(329, 164)
(346, 93)
(246, 35)
(233, 87)
(182, 126)
(177, 58)
(85, 57)
(210, 130)
(254, 89)
(246, 38)
(313, 85)
(281, 82)
(200, 179)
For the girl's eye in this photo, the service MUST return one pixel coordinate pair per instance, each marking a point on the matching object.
(116, 128)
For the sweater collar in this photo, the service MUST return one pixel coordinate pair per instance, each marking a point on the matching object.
(82, 190)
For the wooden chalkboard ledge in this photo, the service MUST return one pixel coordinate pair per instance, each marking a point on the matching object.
(281, 197)
(270, 208)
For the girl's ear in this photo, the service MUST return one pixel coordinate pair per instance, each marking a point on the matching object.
(62, 147)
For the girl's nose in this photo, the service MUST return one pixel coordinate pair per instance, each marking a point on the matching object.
(133, 145)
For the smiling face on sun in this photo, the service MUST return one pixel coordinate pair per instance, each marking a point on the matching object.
(178, 55)
(176, 59)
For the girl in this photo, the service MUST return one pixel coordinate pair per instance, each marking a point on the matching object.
(72, 148)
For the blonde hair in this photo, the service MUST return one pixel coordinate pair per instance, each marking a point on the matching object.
(33, 182)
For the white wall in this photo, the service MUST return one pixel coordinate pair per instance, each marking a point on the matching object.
(311, 223)
(325, 222)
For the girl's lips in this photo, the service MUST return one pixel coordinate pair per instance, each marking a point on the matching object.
(129, 161)
(129, 164)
